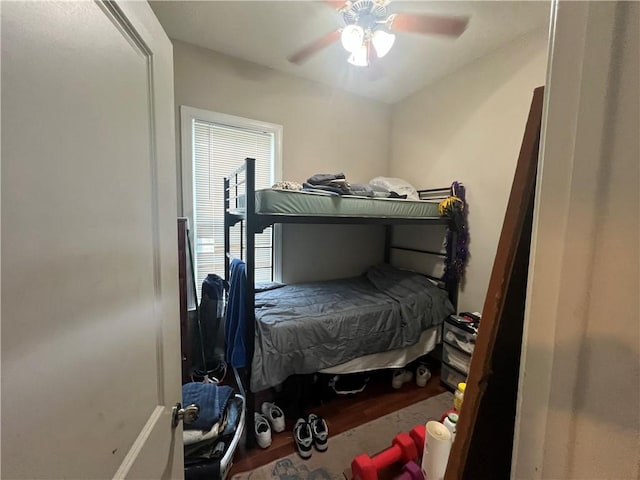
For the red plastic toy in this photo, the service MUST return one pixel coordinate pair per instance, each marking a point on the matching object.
(418, 434)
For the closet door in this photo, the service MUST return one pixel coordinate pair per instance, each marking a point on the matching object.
(90, 340)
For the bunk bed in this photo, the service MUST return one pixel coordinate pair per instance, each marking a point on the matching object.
(254, 210)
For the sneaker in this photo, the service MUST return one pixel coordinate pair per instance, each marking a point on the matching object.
(263, 430)
(400, 376)
(275, 415)
(422, 375)
(303, 437)
(319, 431)
(349, 384)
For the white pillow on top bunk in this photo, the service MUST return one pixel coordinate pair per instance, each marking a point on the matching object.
(398, 185)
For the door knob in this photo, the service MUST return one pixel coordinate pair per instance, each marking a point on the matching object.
(188, 415)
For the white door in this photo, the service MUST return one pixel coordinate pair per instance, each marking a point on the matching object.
(90, 350)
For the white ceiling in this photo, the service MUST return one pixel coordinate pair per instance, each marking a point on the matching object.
(266, 32)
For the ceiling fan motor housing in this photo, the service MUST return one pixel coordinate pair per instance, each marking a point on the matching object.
(365, 13)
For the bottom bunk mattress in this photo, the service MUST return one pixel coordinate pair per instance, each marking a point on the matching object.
(396, 358)
(308, 327)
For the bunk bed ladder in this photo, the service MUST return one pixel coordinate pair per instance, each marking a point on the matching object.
(250, 229)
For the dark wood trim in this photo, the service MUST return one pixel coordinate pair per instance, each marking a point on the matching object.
(485, 431)
(185, 353)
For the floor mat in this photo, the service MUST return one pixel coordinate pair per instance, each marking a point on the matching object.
(371, 438)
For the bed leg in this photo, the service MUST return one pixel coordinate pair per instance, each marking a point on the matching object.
(250, 420)
(241, 379)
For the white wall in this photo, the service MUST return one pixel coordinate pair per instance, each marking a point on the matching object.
(468, 127)
(325, 130)
(579, 403)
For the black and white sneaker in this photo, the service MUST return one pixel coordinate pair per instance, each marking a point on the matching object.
(303, 437)
(319, 431)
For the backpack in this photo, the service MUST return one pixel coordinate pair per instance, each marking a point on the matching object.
(207, 341)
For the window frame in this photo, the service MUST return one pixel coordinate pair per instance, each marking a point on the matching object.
(187, 116)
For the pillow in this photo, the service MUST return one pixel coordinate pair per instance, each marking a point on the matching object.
(397, 185)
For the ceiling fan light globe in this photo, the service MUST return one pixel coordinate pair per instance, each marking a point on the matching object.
(360, 57)
(352, 37)
(382, 42)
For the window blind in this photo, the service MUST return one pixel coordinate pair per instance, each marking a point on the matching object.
(217, 151)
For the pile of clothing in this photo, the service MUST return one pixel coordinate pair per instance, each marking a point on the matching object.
(328, 182)
(210, 440)
(337, 184)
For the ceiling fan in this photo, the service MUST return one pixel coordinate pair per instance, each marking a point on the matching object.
(369, 29)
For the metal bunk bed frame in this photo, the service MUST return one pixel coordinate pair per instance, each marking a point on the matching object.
(253, 223)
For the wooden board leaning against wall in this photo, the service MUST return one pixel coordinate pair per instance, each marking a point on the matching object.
(485, 433)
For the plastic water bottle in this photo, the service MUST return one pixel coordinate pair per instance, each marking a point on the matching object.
(458, 397)
(451, 423)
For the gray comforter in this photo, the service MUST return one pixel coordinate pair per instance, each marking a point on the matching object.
(306, 327)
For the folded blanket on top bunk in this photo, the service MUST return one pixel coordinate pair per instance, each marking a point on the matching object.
(305, 328)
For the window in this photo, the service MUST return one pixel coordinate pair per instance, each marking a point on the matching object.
(213, 146)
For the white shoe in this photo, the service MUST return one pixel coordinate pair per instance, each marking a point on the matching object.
(400, 376)
(262, 430)
(275, 415)
(422, 375)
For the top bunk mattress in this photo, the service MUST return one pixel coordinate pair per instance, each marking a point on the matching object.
(289, 202)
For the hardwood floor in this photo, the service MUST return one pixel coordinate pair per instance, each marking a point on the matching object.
(343, 413)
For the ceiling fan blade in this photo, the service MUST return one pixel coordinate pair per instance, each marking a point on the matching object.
(337, 4)
(314, 47)
(428, 24)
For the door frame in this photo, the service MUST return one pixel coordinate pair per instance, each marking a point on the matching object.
(581, 35)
